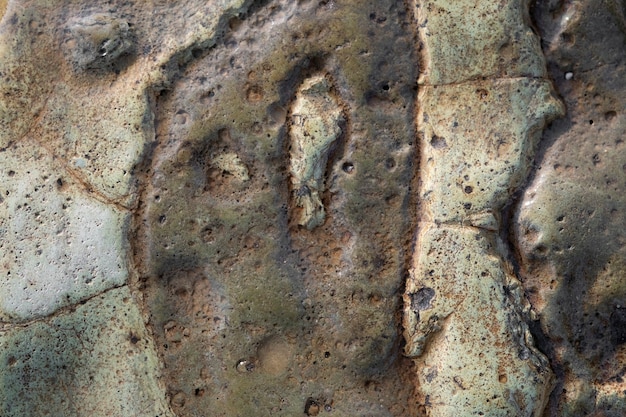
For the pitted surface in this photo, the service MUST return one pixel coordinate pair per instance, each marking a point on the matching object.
(216, 208)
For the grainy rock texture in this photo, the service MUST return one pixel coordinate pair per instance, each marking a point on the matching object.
(570, 221)
(478, 124)
(94, 360)
(302, 208)
(280, 293)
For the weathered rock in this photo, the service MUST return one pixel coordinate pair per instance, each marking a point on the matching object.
(478, 122)
(75, 120)
(253, 312)
(478, 143)
(570, 221)
(240, 191)
(94, 360)
(477, 356)
(59, 244)
(316, 115)
(97, 41)
(472, 40)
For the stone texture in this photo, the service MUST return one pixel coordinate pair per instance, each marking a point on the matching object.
(476, 354)
(473, 40)
(94, 360)
(478, 141)
(314, 130)
(77, 82)
(254, 313)
(59, 245)
(570, 221)
(242, 195)
(465, 313)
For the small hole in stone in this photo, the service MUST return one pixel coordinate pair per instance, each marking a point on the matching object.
(567, 38)
(347, 167)
(244, 366)
(311, 408)
(468, 189)
(438, 142)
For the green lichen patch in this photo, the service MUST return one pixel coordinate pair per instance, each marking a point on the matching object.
(254, 314)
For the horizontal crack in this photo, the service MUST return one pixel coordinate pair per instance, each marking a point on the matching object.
(481, 79)
(8, 326)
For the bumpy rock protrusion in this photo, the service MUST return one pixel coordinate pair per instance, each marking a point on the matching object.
(98, 40)
(316, 115)
(570, 222)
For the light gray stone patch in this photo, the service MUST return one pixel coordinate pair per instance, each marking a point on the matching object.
(483, 102)
(96, 360)
(475, 351)
(98, 40)
(478, 142)
(470, 40)
(59, 246)
(230, 163)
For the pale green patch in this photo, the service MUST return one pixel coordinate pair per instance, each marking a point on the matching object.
(315, 117)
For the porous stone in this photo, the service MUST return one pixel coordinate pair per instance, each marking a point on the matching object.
(252, 312)
(472, 40)
(230, 163)
(239, 191)
(570, 221)
(59, 244)
(477, 353)
(77, 85)
(316, 115)
(97, 41)
(478, 121)
(478, 142)
(94, 360)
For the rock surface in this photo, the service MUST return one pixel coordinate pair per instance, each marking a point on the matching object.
(478, 124)
(570, 220)
(242, 208)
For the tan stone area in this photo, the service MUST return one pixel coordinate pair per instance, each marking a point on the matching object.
(303, 208)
